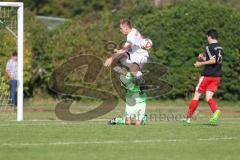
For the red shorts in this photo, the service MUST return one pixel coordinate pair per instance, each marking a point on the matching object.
(208, 84)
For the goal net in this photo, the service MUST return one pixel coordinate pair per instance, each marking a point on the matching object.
(11, 38)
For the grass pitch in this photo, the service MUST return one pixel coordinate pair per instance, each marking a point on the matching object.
(43, 137)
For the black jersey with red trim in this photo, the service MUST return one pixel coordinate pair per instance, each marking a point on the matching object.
(213, 50)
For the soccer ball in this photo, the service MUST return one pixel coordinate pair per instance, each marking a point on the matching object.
(146, 43)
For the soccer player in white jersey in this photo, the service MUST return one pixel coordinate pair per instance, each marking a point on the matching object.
(131, 55)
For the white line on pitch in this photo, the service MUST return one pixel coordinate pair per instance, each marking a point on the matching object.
(52, 122)
(114, 142)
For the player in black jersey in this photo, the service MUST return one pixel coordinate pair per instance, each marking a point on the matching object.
(210, 77)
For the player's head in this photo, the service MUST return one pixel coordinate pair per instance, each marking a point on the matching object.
(212, 34)
(125, 26)
(14, 55)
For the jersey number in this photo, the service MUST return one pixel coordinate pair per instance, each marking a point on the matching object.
(219, 60)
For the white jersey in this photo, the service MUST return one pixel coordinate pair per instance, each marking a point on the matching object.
(11, 67)
(134, 38)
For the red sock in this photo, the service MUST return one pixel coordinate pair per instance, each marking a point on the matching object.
(212, 105)
(192, 107)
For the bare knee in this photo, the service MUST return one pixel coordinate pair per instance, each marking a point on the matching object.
(134, 69)
(196, 95)
(209, 95)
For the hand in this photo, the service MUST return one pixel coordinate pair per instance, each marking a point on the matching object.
(11, 77)
(108, 62)
(198, 64)
(200, 55)
(115, 50)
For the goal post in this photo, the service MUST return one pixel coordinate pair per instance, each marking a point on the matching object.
(20, 28)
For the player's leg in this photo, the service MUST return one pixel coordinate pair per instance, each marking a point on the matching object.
(211, 101)
(129, 113)
(200, 88)
(138, 62)
(134, 62)
(122, 64)
(130, 78)
(134, 69)
(213, 105)
(211, 90)
(117, 121)
(193, 104)
(140, 112)
(124, 119)
(125, 60)
(135, 105)
(13, 93)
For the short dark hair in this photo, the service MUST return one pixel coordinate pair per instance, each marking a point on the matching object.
(212, 33)
(126, 22)
(14, 54)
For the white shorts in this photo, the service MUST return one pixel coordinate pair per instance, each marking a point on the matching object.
(137, 111)
(138, 58)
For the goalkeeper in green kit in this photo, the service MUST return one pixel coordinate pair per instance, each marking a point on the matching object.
(135, 103)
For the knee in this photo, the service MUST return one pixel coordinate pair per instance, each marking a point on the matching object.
(207, 98)
(134, 69)
(196, 96)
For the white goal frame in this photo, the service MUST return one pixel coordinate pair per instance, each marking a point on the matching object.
(20, 28)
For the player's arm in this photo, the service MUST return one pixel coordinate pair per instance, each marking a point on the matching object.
(212, 60)
(8, 71)
(9, 75)
(117, 54)
(124, 50)
(120, 52)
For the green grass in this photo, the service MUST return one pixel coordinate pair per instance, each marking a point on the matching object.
(157, 108)
(96, 140)
(164, 138)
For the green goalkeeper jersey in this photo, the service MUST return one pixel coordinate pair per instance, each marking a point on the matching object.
(133, 90)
